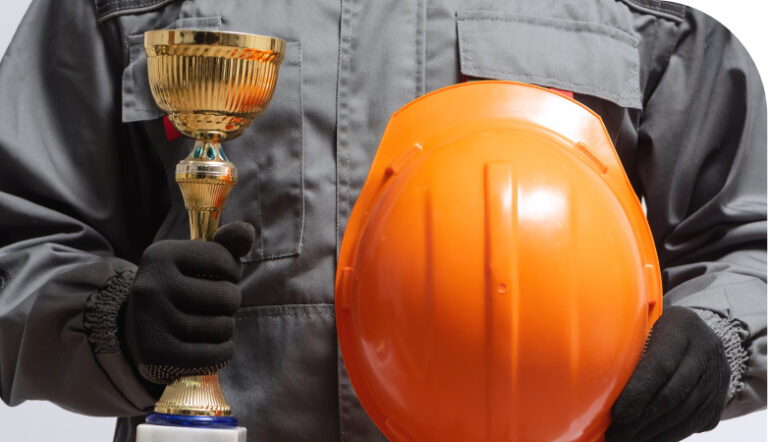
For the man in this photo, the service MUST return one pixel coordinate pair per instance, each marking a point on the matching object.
(87, 200)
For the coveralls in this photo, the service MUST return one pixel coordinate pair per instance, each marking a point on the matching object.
(86, 178)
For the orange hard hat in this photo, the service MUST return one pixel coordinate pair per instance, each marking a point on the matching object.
(497, 278)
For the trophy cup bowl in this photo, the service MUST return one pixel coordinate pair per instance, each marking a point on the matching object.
(212, 85)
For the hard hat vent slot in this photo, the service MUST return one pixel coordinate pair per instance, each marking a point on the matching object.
(402, 161)
(593, 159)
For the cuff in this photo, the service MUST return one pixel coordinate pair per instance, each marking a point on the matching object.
(101, 318)
(732, 333)
(102, 310)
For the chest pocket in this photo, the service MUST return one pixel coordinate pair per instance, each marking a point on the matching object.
(577, 53)
(269, 155)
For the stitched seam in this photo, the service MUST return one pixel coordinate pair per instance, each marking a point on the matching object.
(671, 11)
(416, 49)
(345, 403)
(325, 311)
(300, 226)
(587, 88)
(114, 6)
(420, 50)
(343, 162)
(643, 91)
(348, 169)
(271, 257)
(599, 29)
(101, 18)
(258, 211)
(289, 315)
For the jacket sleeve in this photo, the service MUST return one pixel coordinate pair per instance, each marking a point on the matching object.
(702, 163)
(76, 210)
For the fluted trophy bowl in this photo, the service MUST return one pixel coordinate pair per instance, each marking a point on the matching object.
(212, 85)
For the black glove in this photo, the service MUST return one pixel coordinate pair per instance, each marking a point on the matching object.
(679, 386)
(179, 316)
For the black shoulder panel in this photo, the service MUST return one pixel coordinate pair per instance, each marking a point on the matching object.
(672, 11)
(106, 9)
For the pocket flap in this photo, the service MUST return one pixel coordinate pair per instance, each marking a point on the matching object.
(106, 9)
(583, 57)
(138, 103)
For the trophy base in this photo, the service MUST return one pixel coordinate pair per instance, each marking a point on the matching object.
(184, 420)
(168, 433)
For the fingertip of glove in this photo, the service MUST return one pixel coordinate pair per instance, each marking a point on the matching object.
(237, 237)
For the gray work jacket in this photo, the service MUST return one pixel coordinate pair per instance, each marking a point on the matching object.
(86, 178)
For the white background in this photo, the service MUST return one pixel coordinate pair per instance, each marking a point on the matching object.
(41, 421)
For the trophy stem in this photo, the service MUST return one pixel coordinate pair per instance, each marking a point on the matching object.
(205, 178)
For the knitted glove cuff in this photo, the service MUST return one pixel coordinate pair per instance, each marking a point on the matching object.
(732, 333)
(102, 308)
(165, 374)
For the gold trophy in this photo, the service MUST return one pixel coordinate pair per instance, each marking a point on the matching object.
(212, 85)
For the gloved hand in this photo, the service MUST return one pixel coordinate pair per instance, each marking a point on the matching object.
(179, 316)
(679, 386)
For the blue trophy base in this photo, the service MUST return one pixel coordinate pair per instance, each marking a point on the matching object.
(179, 420)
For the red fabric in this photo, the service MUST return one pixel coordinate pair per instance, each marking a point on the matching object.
(568, 94)
(171, 133)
